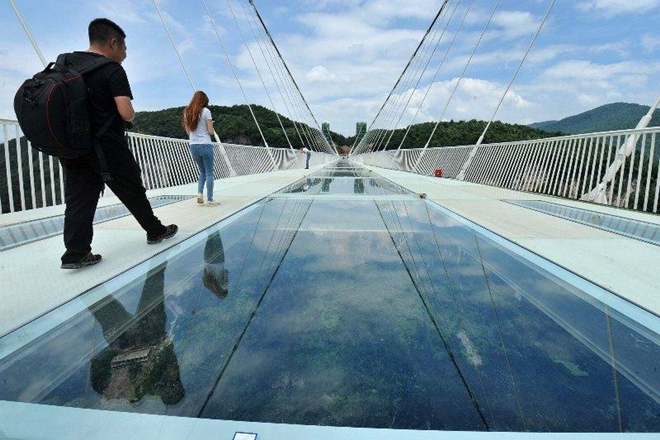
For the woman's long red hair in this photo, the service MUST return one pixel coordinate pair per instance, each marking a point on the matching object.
(192, 113)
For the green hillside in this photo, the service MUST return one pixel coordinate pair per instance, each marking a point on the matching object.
(616, 116)
(235, 125)
(460, 133)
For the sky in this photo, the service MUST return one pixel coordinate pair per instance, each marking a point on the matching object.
(346, 55)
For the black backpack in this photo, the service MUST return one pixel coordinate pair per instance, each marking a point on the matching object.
(51, 108)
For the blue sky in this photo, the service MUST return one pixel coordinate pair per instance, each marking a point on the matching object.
(346, 55)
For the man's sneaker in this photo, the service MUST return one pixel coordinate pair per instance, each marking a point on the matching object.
(170, 231)
(212, 203)
(88, 260)
(200, 199)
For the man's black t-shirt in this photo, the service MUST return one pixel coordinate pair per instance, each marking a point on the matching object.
(103, 85)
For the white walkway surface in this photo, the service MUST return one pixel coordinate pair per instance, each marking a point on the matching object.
(33, 284)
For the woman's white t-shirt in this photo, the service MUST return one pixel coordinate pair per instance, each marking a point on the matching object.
(201, 134)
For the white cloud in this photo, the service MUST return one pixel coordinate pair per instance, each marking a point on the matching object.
(514, 24)
(381, 11)
(611, 8)
(320, 74)
(650, 43)
(346, 55)
(586, 71)
(122, 11)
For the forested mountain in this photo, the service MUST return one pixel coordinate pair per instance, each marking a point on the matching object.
(235, 125)
(616, 116)
(457, 133)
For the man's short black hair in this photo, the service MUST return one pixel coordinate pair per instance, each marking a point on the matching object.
(100, 30)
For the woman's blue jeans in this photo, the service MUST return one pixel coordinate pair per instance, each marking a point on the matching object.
(203, 155)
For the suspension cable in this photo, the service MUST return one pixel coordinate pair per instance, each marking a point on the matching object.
(437, 71)
(263, 24)
(167, 30)
(402, 73)
(428, 61)
(258, 40)
(233, 70)
(215, 135)
(287, 89)
(481, 138)
(247, 46)
(391, 107)
(404, 88)
(473, 152)
(251, 19)
(458, 83)
(29, 34)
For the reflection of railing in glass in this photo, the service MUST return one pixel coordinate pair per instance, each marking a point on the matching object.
(405, 240)
(282, 234)
(501, 316)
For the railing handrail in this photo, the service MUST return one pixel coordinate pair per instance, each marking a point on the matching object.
(32, 180)
(510, 143)
(564, 166)
(530, 141)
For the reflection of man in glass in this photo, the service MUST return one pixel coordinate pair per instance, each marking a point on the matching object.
(358, 186)
(140, 359)
(215, 277)
(325, 185)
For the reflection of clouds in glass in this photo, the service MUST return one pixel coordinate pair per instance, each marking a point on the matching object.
(470, 350)
(349, 248)
(182, 288)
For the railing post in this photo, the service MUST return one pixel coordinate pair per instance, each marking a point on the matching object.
(223, 153)
(599, 193)
(468, 161)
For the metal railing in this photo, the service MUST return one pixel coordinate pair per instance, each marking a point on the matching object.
(568, 166)
(30, 179)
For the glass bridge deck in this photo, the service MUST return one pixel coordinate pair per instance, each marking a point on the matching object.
(26, 232)
(356, 311)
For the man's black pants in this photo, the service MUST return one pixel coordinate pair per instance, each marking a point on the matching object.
(83, 186)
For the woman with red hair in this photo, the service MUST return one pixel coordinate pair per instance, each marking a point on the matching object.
(198, 123)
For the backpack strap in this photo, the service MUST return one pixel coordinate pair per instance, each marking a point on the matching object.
(103, 163)
(73, 61)
(69, 60)
(95, 63)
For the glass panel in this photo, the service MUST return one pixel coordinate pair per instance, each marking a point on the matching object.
(359, 172)
(357, 186)
(365, 313)
(27, 232)
(649, 232)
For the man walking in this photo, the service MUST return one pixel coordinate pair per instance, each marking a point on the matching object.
(306, 151)
(109, 108)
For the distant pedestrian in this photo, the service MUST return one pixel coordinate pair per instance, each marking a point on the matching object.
(198, 123)
(305, 150)
(109, 108)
